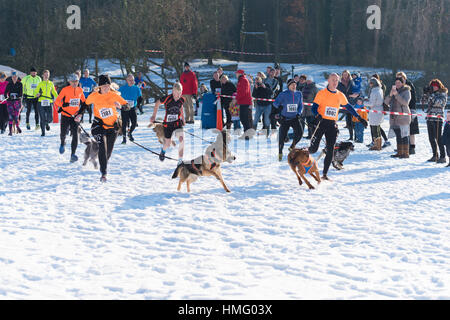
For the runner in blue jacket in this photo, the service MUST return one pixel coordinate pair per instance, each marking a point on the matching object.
(131, 93)
(88, 85)
(290, 105)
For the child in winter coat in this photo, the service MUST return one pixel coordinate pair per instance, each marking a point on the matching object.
(357, 80)
(234, 110)
(446, 136)
(359, 127)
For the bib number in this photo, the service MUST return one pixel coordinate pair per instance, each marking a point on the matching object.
(292, 107)
(106, 113)
(130, 104)
(331, 112)
(33, 86)
(172, 117)
(45, 103)
(86, 89)
(74, 102)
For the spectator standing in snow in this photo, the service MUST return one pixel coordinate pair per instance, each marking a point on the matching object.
(375, 103)
(446, 136)
(244, 101)
(189, 82)
(228, 89)
(414, 126)
(436, 106)
(215, 84)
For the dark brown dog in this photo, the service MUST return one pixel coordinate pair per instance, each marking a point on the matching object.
(208, 164)
(302, 163)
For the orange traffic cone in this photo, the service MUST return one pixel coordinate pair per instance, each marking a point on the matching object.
(219, 123)
(55, 114)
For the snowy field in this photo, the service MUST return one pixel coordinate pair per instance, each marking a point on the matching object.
(380, 230)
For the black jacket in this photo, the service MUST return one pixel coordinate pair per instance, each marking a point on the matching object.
(213, 84)
(227, 89)
(14, 91)
(262, 93)
(413, 101)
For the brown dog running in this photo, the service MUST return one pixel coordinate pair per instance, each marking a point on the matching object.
(159, 130)
(302, 163)
(207, 165)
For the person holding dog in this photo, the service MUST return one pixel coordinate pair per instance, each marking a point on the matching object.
(173, 120)
(289, 106)
(326, 108)
(105, 126)
(131, 93)
(69, 101)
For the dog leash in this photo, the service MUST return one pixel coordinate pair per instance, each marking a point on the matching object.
(154, 152)
(195, 136)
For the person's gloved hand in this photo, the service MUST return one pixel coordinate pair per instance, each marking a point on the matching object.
(317, 120)
(78, 118)
(364, 122)
(60, 110)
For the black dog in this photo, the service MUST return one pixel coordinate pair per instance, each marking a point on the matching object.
(341, 152)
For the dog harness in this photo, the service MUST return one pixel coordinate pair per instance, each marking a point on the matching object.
(210, 160)
(311, 162)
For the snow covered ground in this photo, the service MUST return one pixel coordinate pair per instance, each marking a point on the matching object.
(380, 230)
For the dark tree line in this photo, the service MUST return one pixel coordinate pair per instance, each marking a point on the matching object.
(414, 34)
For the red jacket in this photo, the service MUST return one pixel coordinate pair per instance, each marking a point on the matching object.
(244, 94)
(189, 82)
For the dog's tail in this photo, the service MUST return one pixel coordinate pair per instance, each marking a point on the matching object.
(177, 171)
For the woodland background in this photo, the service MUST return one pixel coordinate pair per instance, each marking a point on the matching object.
(414, 34)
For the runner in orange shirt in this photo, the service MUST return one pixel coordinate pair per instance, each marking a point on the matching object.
(69, 101)
(326, 107)
(104, 127)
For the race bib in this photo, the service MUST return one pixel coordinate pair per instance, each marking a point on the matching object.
(86, 89)
(74, 102)
(292, 107)
(2, 97)
(33, 86)
(45, 103)
(130, 104)
(331, 112)
(13, 96)
(106, 113)
(172, 117)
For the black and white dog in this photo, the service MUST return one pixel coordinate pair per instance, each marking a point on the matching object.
(341, 152)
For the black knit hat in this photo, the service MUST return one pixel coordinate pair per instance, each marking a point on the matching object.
(186, 64)
(104, 79)
(291, 81)
(33, 69)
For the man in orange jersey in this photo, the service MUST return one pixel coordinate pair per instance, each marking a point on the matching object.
(71, 106)
(326, 108)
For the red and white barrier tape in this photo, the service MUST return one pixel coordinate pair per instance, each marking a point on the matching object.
(232, 51)
(364, 110)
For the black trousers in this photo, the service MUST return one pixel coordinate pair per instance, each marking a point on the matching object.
(435, 136)
(350, 124)
(4, 117)
(140, 104)
(285, 124)
(66, 125)
(89, 111)
(376, 132)
(127, 117)
(226, 110)
(32, 104)
(245, 115)
(106, 139)
(273, 121)
(330, 130)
